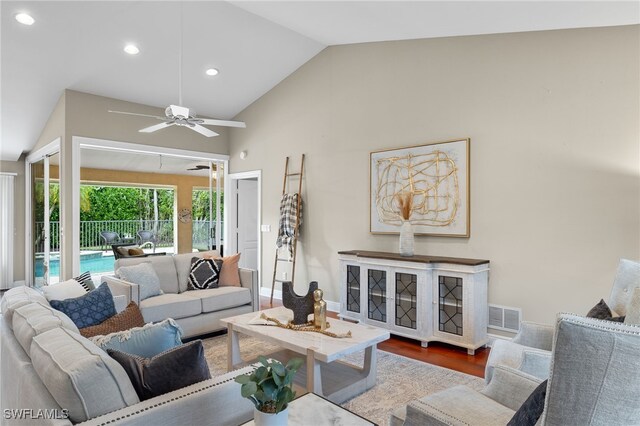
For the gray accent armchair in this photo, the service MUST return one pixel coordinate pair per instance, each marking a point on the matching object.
(594, 380)
(530, 350)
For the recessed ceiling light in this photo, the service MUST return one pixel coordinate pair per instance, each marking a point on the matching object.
(131, 49)
(25, 19)
(211, 71)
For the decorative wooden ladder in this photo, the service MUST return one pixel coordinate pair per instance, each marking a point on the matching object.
(296, 231)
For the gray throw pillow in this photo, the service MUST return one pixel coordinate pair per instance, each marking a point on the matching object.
(603, 312)
(145, 276)
(204, 273)
(174, 369)
(529, 413)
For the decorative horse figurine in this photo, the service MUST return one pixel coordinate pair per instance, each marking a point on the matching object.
(301, 306)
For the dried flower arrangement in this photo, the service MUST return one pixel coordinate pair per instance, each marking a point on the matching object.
(405, 204)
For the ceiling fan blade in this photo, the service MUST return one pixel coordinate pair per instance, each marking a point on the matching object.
(226, 123)
(139, 115)
(156, 127)
(203, 130)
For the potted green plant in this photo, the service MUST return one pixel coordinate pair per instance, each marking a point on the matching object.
(270, 388)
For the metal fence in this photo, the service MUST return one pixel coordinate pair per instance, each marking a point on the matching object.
(90, 238)
(90, 232)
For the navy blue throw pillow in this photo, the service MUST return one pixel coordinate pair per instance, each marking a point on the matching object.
(90, 309)
(529, 413)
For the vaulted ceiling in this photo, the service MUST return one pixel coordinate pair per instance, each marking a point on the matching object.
(79, 45)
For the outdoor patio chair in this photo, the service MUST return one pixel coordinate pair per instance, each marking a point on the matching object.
(109, 238)
(147, 237)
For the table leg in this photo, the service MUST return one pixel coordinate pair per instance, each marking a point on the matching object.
(369, 368)
(314, 378)
(233, 348)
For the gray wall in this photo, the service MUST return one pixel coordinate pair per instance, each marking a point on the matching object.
(19, 216)
(555, 170)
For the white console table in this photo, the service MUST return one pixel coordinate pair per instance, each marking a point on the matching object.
(427, 298)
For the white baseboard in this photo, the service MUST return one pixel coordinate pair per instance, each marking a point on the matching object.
(277, 294)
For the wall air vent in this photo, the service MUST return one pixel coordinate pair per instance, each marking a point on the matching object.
(504, 318)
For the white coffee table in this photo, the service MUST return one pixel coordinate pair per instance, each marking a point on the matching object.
(326, 375)
(311, 409)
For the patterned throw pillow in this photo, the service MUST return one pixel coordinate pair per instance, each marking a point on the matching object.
(129, 318)
(174, 369)
(91, 309)
(85, 281)
(204, 273)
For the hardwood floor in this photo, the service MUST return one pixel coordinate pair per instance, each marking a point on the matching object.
(440, 354)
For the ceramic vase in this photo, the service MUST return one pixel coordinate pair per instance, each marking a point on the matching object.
(270, 419)
(406, 239)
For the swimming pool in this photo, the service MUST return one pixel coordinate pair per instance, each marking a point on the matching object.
(94, 262)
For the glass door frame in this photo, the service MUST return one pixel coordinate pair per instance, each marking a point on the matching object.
(80, 142)
(41, 154)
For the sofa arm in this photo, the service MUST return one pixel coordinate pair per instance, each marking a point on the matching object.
(539, 336)
(120, 287)
(249, 279)
(510, 387)
(536, 363)
(214, 401)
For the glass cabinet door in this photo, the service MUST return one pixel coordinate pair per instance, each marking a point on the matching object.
(377, 295)
(450, 309)
(406, 300)
(353, 288)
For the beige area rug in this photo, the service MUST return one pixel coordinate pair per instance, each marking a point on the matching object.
(400, 379)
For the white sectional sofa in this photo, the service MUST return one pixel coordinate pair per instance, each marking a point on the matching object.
(47, 367)
(197, 311)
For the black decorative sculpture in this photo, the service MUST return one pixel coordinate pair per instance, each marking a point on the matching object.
(301, 306)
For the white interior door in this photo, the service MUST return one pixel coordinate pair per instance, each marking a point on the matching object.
(247, 226)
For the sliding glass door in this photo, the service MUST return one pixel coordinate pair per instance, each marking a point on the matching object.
(45, 220)
(207, 205)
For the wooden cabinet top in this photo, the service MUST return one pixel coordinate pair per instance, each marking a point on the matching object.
(415, 258)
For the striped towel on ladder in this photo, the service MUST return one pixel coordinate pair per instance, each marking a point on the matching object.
(288, 221)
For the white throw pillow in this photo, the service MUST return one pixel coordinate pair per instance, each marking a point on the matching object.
(145, 276)
(65, 290)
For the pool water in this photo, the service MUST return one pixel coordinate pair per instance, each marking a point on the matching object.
(93, 262)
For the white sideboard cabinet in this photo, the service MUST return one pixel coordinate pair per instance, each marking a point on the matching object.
(427, 298)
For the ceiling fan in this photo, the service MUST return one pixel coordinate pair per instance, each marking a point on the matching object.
(200, 167)
(176, 115)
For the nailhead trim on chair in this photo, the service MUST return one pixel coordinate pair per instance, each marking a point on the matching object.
(112, 421)
(600, 324)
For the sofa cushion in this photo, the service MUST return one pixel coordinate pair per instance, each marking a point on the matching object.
(217, 299)
(458, 405)
(169, 306)
(146, 341)
(183, 265)
(170, 370)
(91, 309)
(163, 265)
(80, 376)
(129, 318)
(34, 319)
(144, 275)
(16, 297)
(64, 290)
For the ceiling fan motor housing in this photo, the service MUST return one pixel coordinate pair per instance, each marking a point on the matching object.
(177, 111)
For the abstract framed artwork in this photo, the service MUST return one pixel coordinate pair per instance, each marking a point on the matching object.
(434, 176)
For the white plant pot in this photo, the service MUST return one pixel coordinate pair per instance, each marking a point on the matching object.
(406, 239)
(269, 419)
